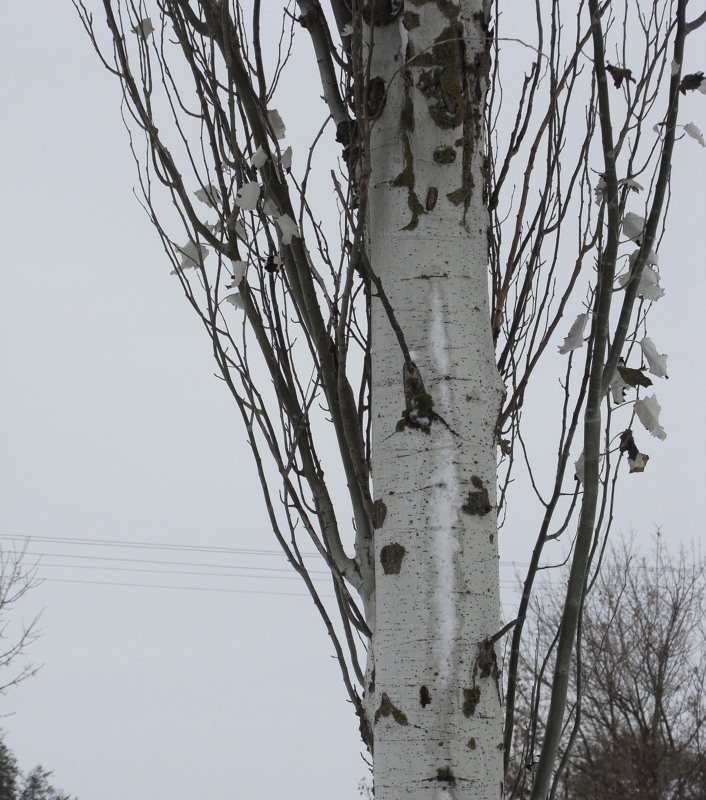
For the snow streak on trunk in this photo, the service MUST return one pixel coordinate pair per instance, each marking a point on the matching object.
(433, 696)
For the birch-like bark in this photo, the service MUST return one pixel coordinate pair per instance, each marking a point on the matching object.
(415, 240)
(433, 693)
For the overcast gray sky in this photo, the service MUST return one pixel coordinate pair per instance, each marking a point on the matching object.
(113, 429)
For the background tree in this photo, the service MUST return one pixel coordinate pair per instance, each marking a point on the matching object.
(16, 579)
(638, 712)
(385, 336)
(34, 786)
(9, 773)
(37, 787)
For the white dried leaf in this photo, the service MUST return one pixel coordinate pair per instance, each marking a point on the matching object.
(601, 187)
(258, 159)
(695, 133)
(633, 225)
(237, 269)
(653, 293)
(702, 86)
(579, 468)
(193, 255)
(288, 228)
(248, 195)
(575, 338)
(276, 123)
(286, 160)
(638, 463)
(144, 27)
(600, 190)
(270, 208)
(235, 300)
(618, 387)
(675, 66)
(647, 411)
(657, 362)
(347, 29)
(209, 195)
(631, 183)
(651, 258)
(648, 288)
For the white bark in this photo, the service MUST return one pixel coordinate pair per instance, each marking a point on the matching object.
(433, 699)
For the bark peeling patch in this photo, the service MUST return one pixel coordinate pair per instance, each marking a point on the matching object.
(424, 696)
(411, 20)
(447, 7)
(419, 404)
(471, 698)
(441, 78)
(377, 13)
(375, 101)
(444, 155)
(406, 180)
(432, 197)
(488, 661)
(445, 775)
(388, 709)
(407, 117)
(478, 502)
(391, 557)
(379, 513)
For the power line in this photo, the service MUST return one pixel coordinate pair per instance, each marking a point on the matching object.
(177, 572)
(183, 588)
(167, 563)
(146, 545)
(231, 571)
(176, 547)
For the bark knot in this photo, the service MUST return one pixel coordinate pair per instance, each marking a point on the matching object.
(388, 709)
(379, 513)
(391, 557)
(471, 698)
(478, 502)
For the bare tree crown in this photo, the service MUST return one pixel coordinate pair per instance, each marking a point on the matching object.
(500, 179)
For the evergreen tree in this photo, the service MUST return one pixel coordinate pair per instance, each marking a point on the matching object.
(35, 785)
(8, 773)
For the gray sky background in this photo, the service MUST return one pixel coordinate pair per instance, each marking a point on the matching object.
(113, 429)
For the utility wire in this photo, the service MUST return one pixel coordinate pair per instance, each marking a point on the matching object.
(176, 547)
(230, 571)
(145, 545)
(165, 563)
(183, 588)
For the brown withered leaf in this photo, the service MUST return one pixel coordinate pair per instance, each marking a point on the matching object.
(627, 444)
(637, 461)
(619, 74)
(634, 377)
(691, 82)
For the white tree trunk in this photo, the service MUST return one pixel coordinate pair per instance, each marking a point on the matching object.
(434, 694)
